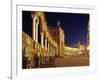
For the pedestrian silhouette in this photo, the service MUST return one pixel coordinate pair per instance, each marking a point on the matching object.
(36, 60)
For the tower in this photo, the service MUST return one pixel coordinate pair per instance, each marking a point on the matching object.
(60, 40)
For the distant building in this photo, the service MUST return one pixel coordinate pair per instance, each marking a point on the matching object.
(88, 35)
(77, 50)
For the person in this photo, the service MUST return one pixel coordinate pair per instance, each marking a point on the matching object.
(36, 60)
(24, 62)
(40, 60)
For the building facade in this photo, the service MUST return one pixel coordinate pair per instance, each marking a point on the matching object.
(45, 42)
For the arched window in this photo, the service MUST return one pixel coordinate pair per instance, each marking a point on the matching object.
(39, 32)
(36, 23)
(44, 39)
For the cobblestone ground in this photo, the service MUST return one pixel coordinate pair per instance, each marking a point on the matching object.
(67, 62)
(48, 64)
(72, 61)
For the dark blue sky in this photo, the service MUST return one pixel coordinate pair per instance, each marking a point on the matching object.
(74, 25)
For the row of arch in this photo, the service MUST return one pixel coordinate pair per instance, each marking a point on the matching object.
(41, 33)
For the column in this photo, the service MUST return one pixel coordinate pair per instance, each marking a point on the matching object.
(36, 32)
(46, 43)
(33, 27)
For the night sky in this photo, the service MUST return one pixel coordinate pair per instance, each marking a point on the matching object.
(74, 25)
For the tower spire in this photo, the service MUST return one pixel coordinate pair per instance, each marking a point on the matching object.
(58, 23)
